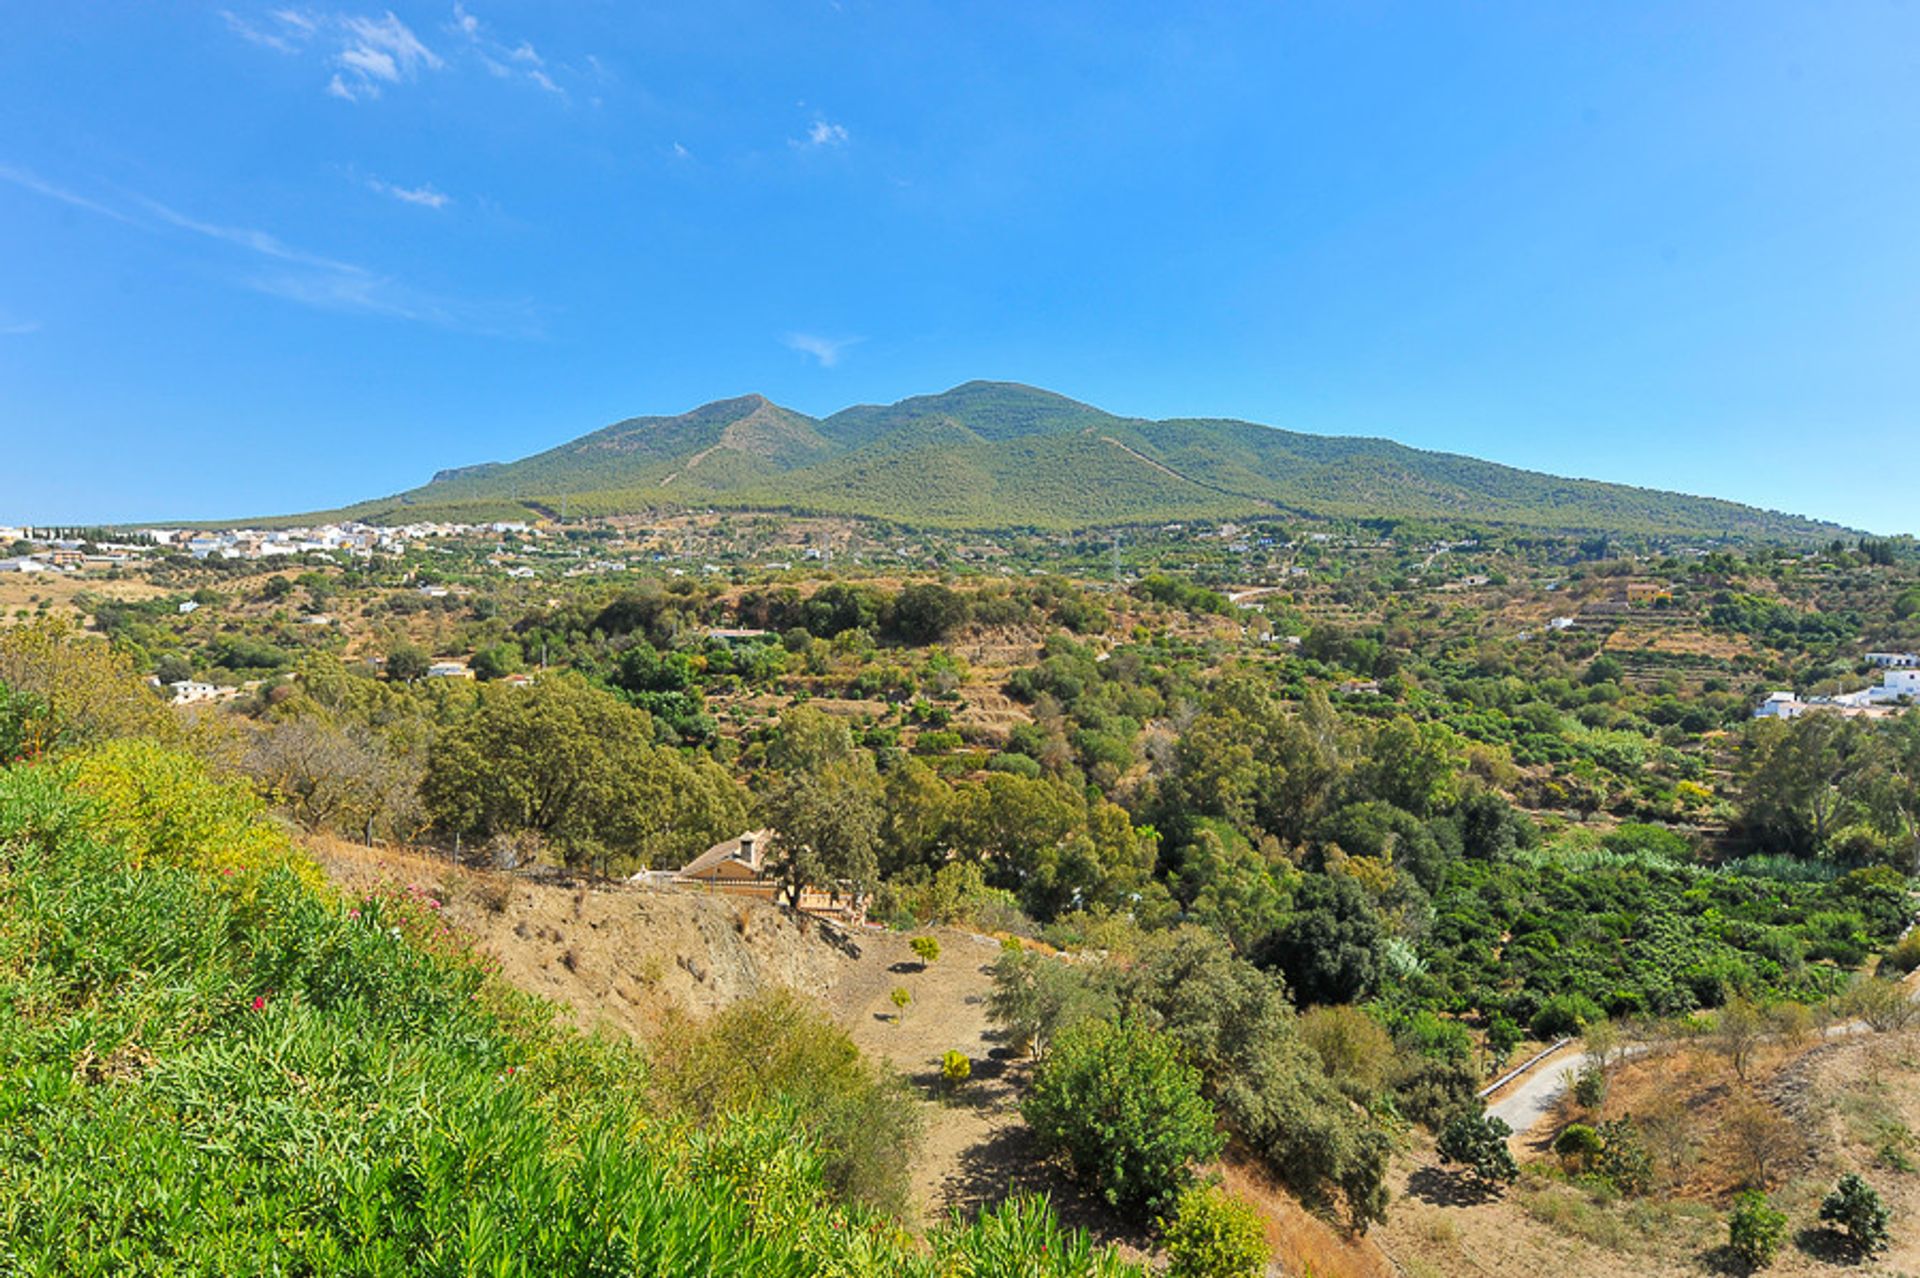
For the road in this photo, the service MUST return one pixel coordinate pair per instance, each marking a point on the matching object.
(1533, 1096)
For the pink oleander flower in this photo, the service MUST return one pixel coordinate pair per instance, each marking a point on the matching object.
(259, 1002)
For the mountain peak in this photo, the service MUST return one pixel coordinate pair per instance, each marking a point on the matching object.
(995, 454)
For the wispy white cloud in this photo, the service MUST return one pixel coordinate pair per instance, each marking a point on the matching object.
(384, 49)
(365, 293)
(264, 36)
(424, 195)
(33, 182)
(261, 242)
(826, 350)
(824, 133)
(504, 60)
(18, 328)
(311, 279)
(365, 53)
(681, 153)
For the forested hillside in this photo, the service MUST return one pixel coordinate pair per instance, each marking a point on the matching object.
(994, 455)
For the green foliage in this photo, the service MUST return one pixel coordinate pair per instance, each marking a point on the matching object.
(1479, 1143)
(926, 613)
(1115, 1099)
(407, 662)
(1577, 1145)
(19, 713)
(571, 764)
(995, 455)
(1903, 956)
(68, 690)
(1213, 1235)
(926, 949)
(825, 805)
(956, 1067)
(1624, 1161)
(778, 1048)
(1036, 997)
(1855, 1208)
(1330, 947)
(1234, 1023)
(1590, 1086)
(1755, 1230)
(290, 1083)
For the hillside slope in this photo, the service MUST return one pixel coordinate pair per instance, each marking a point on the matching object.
(997, 455)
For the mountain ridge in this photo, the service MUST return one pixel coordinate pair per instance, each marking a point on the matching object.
(999, 455)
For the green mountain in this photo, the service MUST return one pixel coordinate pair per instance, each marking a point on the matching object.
(996, 455)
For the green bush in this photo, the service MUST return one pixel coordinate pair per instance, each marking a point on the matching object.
(1903, 956)
(1479, 1143)
(1564, 1015)
(1115, 1099)
(1624, 1161)
(1855, 1208)
(1213, 1235)
(1590, 1086)
(779, 1048)
(1755, 1230)
(1578, 1145)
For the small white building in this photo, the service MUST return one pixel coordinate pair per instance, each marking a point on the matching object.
(187, 692)
(449, 670)
(1894, 660)
(1897, 687)
(23, 564)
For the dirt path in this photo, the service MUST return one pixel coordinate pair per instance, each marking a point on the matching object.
(975, 1140)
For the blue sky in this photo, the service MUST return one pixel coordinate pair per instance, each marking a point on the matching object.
(264, 257)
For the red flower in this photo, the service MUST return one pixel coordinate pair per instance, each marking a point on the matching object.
(259, 1002)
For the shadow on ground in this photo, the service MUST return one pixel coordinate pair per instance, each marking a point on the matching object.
(1444, 1188)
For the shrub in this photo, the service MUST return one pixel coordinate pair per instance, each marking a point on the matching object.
(1590, 1086)
(1354, 1048)
(1755, 1230)
(926, 949)
(1430, 1091)
(1213, 1235)
(1564, 1015)
(1855, 1208)
(1115, 1099)
(1479, 1143)
(1881, 1003)
(1035, 997)
(778, 1048)
(1623, 1161)
(1577, 1146)
(956, 1067)
(1904, 956)
(1503, 1035)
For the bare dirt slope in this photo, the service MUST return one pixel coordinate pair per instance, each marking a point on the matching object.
(614, 954)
